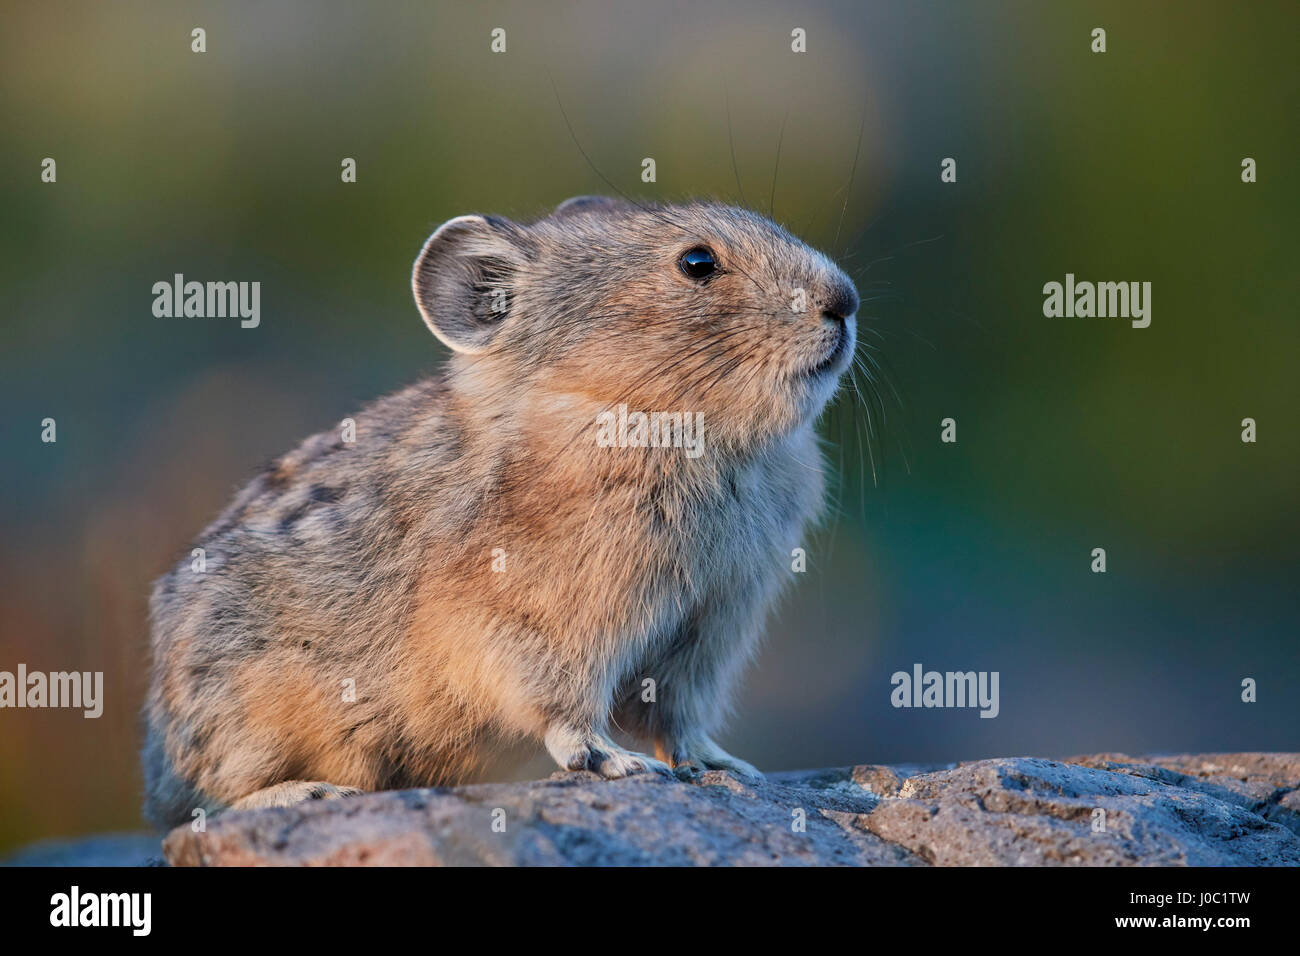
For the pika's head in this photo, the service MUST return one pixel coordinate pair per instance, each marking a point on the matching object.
(697, 307)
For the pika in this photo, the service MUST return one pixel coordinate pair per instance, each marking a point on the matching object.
(474, 567)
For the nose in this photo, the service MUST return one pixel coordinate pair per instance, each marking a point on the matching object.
(841, 300)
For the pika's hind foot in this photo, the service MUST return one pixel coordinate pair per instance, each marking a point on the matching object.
(587, 750)
(290, 792)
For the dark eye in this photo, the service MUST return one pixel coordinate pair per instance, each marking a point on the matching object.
(698, 263)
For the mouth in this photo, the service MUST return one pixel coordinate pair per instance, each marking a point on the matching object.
(836, 353)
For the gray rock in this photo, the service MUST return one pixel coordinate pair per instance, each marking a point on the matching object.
(1221, 809)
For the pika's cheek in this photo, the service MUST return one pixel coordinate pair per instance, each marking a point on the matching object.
(809, 343)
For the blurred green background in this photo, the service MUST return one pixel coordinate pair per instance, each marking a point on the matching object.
(1073, 433)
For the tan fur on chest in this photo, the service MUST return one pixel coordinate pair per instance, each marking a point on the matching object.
(541, 570)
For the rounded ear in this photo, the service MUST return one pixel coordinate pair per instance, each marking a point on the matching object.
(463, 279)
(586, 204)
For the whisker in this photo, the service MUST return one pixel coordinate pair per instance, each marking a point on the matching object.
(771, 202)
(862, 125)
(726, 99)
(658, 214)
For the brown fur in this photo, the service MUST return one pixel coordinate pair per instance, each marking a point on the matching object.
(373, 560)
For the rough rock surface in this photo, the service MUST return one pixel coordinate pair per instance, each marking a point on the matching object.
(1219, 809)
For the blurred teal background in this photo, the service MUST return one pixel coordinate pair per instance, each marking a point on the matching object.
(1073, 433)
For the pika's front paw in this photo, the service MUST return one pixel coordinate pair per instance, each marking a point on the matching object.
(737, 766)
(624, 763)
(695, 755)
(586, 750)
